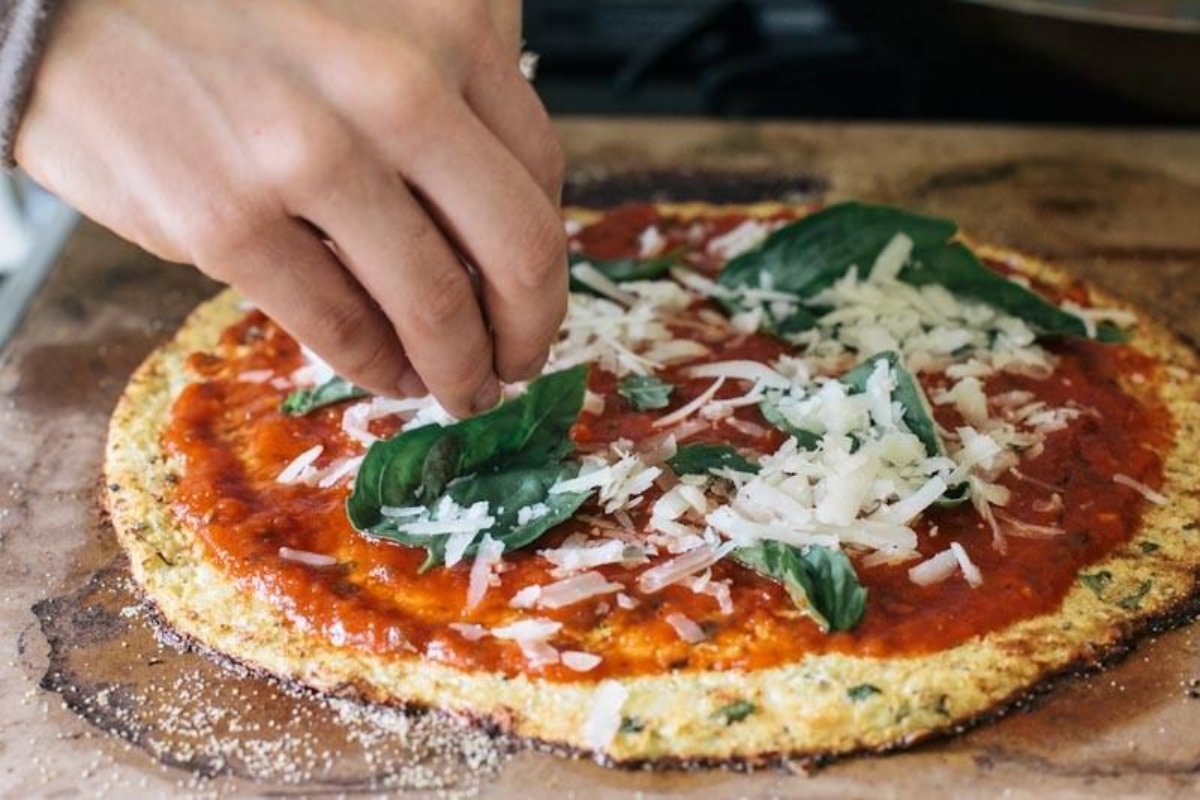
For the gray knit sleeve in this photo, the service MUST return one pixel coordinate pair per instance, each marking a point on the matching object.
(24, 25)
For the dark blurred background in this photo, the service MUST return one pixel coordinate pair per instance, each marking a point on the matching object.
(1089, 62)
(1049, 61)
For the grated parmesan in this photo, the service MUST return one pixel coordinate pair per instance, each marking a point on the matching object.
(295, 470)
(580, 661)
(486, 559)
(1158, 498)
(604, 717)
(686, 629)
(307, 558)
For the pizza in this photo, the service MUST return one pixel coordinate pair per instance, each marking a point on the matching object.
(796, 482)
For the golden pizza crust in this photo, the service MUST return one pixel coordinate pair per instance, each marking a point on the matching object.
(803, 708)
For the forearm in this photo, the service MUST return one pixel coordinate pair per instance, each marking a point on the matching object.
(24, 25)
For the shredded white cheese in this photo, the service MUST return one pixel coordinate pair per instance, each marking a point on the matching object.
(579, 553)
(315, 370)
(743, 238)
(891, 259)
(687, 630)
(338, 471)
(596, 280)
(620, 483)
(255, 376)
(448, 517)
(741, 370)
(626, 602)
(469, 631)
(604, 719)
(651, 242)
(970, 572)
(935, 569)
(685, 411)
(676, 569)
(307, 558)
(294, 472)
(487, 556)
(1158, 498)
(575, 589)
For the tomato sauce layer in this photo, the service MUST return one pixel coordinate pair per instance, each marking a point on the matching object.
(234, 441)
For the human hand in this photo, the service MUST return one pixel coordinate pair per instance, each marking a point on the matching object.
(330, 160)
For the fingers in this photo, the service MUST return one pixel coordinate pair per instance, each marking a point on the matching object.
(507, 227)
(506, 16)
(509, 107)
(294, 278)
(398, 255)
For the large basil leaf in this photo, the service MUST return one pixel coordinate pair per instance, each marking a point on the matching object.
(620, 270)
(645, 392)
(812, 253)
(702, 458)
(506, 492)
(412, 468)
(955, 267)
(821, 581)
(334, 390)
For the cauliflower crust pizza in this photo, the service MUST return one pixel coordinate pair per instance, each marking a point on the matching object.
(796, 482)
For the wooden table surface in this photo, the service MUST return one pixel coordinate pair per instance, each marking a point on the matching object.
(92, 703)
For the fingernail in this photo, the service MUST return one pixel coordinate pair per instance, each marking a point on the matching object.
(411, 385)
(487, 397)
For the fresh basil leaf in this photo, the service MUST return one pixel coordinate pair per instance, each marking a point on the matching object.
(810, 254)
(862, 691)
(821, 582)
(509, 491)
(702, 458)
(529, 431)
(798, 320)
(404, 457)
(334, 390)
(769, 408)
(506, 493)
(440, 466)
(955, 267)
(736, 711)
(620, 270)
(645, 392)
(1148, 546)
